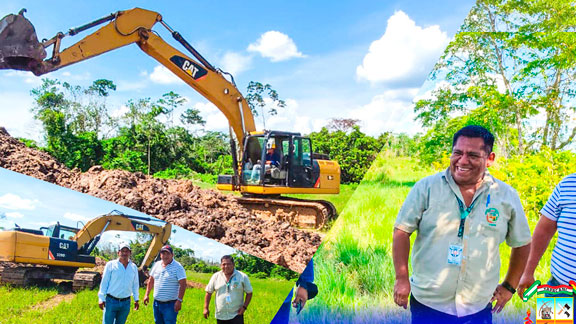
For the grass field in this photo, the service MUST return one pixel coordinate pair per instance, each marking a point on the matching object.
(354, 268)
(17, 304)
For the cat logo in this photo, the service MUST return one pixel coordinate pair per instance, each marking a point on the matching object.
(64, 246)
(195, 70)
(139, 227)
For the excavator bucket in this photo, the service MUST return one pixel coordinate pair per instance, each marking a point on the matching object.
(19, 45)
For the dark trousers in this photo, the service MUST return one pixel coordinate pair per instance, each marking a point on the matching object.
(239, 319)
(422, 314)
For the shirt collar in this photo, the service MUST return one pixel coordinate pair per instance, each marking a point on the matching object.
(487, 182)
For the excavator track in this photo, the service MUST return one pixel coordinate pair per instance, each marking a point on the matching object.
(309, 214)
(22, 275)
(86, 280)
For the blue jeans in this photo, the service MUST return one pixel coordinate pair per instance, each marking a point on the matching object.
(554, 282)
(164, 313)
(422, 314)
(116, 312)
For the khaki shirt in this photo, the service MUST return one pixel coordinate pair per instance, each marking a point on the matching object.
(432, 209)
(229, 296)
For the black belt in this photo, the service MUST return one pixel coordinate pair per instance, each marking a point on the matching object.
(118, 299)
(166, 302)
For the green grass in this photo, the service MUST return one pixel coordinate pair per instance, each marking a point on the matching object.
(83, 308)
(16, 301)
(353, 266)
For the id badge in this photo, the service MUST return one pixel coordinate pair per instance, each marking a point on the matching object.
(228, 299)
(455, 254)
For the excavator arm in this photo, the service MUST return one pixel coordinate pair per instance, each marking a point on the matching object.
(20, 49)
(90, 234)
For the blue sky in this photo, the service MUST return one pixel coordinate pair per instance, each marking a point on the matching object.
(345, 59)
(32, 203)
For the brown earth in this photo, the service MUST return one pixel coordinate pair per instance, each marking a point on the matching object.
(194, 284)
(206, 212)
(53, 302)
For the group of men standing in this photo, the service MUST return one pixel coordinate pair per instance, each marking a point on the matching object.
(168, 278)
(120, 282)
(461, 217)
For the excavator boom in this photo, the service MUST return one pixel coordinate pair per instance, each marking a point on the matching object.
(301, 171)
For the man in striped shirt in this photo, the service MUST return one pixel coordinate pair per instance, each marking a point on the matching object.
(119, 282)
(559, 214)
(169, 281)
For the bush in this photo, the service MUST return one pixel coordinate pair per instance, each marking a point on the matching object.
(535, 176)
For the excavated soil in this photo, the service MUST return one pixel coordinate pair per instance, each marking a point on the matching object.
(206, 212)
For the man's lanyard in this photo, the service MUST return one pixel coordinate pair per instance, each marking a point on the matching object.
(228, 283)
(464, 212)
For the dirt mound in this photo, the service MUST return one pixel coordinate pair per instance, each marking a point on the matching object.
(194, 284)
(206, 212)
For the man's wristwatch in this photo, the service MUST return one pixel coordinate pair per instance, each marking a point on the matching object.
(508, 287)
(245, 307)
(179, 299)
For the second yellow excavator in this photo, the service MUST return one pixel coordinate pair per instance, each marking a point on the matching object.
(57, 252)
(267, 163)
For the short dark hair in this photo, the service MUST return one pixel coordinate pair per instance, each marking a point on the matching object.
(475, 131)
(229, 257)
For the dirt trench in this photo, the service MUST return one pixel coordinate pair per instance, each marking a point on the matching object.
(206, 212)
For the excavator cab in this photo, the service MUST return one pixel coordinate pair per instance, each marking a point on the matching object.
(275, 162)
(279, 159)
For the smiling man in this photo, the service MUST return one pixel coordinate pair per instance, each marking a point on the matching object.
(461, 216)
(230, 285)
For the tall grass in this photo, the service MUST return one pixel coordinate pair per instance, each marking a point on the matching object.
(353, 266)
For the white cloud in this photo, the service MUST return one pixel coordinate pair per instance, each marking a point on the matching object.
(15, 202)
(28, 77)
(235, 63)
(392, 111)
(405, 53)
(276, 46)
(16, 116)
(163, 76)
(14, 215)
(215, 119)
(117, 113)
(76, 217)
(292, 119)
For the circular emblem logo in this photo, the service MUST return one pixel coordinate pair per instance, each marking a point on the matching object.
(492, 215)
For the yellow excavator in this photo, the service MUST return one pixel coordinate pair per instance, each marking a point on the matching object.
(267, 163)
(57, 252)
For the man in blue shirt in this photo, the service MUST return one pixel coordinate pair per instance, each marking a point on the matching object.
(119, 282)
(559, 214)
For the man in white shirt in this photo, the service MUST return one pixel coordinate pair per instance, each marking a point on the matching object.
(119, 282)
(230, 286)
(168, 278)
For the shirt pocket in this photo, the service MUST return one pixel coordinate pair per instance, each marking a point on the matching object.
(493, 235)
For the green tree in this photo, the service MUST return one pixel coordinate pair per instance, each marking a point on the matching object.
(354, 151)
(71, 120)
(511, 61)
(256, 96)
